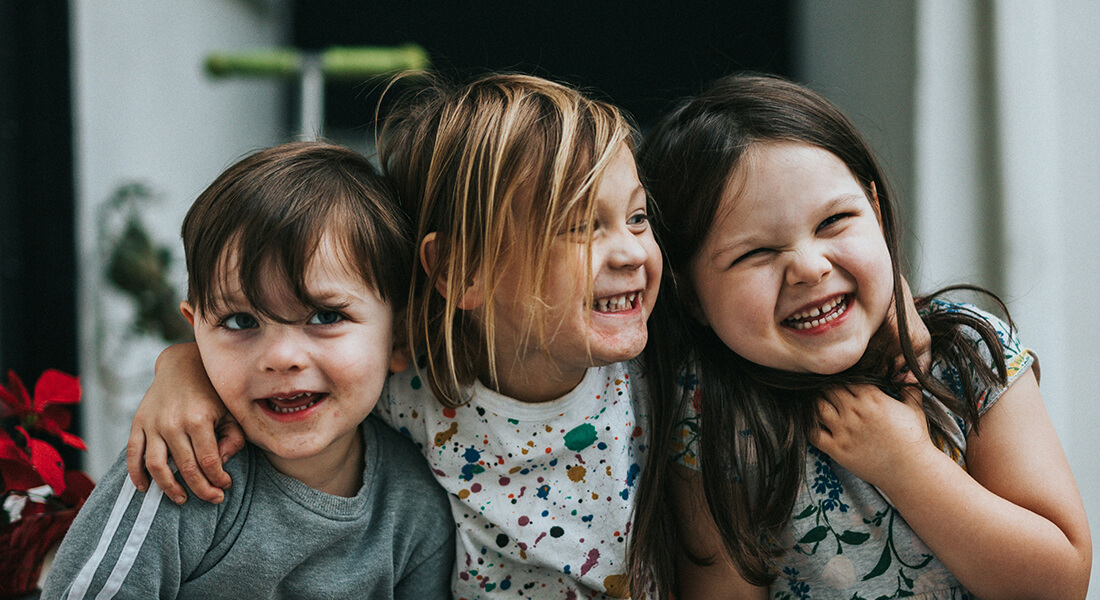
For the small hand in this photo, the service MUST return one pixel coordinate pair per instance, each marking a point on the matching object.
(178, 416)
(870, 433)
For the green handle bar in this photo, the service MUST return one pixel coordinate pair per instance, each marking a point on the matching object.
(336, 63)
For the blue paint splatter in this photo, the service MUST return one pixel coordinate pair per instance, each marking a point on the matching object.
(632, 474)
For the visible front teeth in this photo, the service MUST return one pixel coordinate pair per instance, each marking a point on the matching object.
(807, 320)
(616, 303)
(285, 410)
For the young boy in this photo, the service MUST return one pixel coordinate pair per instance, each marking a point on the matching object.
(298, 259)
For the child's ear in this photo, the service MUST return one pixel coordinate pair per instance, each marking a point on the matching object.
(401, 353)
(471, 298)
(875, 204)
(188, 312)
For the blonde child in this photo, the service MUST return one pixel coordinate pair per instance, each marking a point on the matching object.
(799, 475)
(538, 272)
(297, 260)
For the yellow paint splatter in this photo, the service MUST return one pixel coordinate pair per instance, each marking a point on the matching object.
(444, 436)
(617, 586)
(609, 471)
(549, 429)
(577, 473)
(595, 496)
(463, 494)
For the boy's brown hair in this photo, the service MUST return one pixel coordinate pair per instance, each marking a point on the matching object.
(275, 206)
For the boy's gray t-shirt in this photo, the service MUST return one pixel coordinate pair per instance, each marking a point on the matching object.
(272, 536)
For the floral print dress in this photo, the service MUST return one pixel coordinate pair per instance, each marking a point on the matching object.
(846, 540)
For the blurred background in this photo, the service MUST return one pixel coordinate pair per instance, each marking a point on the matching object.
(984, 111)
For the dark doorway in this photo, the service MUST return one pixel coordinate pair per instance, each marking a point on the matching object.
(37, 256)
(639, 54)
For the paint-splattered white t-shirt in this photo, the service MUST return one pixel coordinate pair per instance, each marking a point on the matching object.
(541, 493)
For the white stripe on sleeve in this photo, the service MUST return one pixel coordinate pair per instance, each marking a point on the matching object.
(149, 505)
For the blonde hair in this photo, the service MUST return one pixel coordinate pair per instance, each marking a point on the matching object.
(498, 167)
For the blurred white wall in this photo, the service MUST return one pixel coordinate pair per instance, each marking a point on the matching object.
(986, 114)
(145, 111)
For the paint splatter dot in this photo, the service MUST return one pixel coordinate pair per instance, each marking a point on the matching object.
(593, 559)
(617, 586)
(504, 481)
(445, 436)
(577, 473)
(523, 521)
(556, 532)
(415, 383)
(502, 540)
(581, 437)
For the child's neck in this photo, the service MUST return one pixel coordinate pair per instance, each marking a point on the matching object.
(531, 385)
(338, 470)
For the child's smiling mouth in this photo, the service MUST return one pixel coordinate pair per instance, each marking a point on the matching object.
(818, 315)
(620, 303)
(292, 403)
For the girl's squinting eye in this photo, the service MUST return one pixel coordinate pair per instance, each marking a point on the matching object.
(326, 317)
(833, 219)
(638, 219)
(758, 252)
(240, 321)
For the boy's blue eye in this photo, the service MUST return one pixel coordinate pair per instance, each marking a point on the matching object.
(326, 317)
(240, 321)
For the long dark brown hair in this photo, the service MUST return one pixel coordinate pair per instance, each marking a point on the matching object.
(686, 162)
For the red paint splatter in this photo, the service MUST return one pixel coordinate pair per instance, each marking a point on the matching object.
(593, 559)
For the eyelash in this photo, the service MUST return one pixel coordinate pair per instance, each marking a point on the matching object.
(254, 323)
(339, 315)
(833, 219)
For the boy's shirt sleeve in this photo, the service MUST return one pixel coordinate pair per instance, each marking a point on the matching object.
(431, 578)
(127, 543)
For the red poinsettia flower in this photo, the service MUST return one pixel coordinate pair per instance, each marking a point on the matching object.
(27, 462)
(45, 411)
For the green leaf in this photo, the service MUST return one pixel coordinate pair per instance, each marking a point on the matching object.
(811, 509)
(854, 538)
(814, 535)
(883, 564)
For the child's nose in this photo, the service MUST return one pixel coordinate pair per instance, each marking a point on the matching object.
(807, 265)
(283, 351)
(627, 250)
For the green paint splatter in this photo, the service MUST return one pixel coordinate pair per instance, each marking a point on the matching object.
(580, 437)
(415, 383)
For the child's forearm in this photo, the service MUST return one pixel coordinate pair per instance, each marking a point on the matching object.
(1014, 526)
